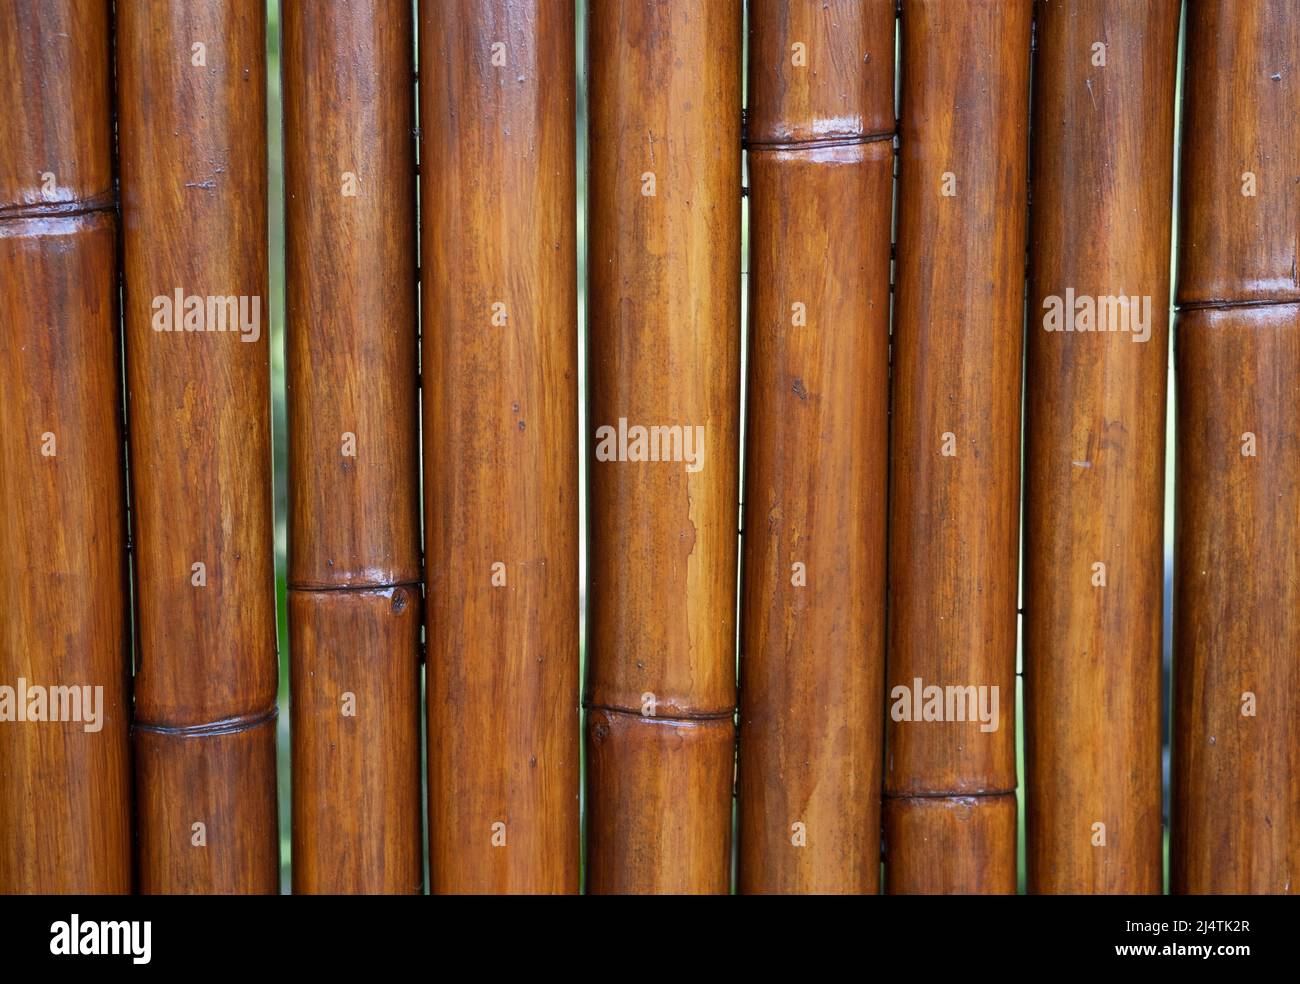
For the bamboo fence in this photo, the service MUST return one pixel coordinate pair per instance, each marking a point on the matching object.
(949, 314)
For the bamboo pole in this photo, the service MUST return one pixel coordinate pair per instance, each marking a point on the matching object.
(820, 143)
(950, 807)
(663, 352)
(192, 138)
(354, 512)
(1236, 756)
(355, 680)
(65, 801)
(498, 247)
(1101, 181)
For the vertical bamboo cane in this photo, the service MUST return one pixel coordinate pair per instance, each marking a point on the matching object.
(1094, 452)
(950, 807)
(820, 139)
(192, 102)
(65, 815)
(498, 244)
(354, 561)
(663, 351)
(1236, 776)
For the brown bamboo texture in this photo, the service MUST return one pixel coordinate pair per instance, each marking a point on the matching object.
(950, 773)
(354, 509)
(1101, 187)
(820, 147)
(191, 92)
(65, 782)
(1236, 754)
(499, 291)
(663, 355)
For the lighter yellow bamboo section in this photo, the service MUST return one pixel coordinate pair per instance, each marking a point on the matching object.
(820, 141)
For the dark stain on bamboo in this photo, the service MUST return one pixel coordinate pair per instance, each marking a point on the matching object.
(191, 86)
(354, 533)
(820, 141)
(65, 805)
(664, 83)
(1236, 737)
(955, 443)
(498, 248)
(1101, 172)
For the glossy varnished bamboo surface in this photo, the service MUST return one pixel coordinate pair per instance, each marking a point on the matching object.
(820, 144)
(223, 778)
(191, 91)
(1236, 756)
(955, 443)
(663, 224)
(659, 818)
(56, 79)
(950, 845)
(1101, 188)
(1239, 129)
(65, 787)
(1236, 736)
(499, 344)
(354, 513)
(355, 718)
